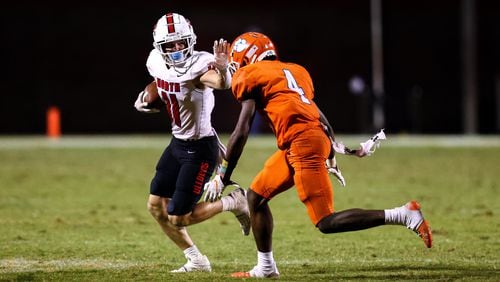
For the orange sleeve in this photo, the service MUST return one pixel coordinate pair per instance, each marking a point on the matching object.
(242, 85)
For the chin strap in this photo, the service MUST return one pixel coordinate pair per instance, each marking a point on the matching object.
(186, 66)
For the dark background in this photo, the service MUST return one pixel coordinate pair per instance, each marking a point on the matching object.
(88, 59)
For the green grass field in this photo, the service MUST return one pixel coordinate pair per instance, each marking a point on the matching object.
(75, 209)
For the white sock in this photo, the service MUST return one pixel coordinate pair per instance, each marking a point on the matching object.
(265, 261)
(227, 203)
(192, 252)
(395, 216)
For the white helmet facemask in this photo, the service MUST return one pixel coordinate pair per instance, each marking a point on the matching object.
(170, 28)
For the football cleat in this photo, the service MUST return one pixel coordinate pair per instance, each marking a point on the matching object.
(416, 222)
(256, 272)
(199, 263)
(240, 209)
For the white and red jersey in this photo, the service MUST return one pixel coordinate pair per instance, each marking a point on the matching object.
(189, 106)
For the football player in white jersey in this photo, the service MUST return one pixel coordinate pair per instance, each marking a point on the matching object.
(185, 80)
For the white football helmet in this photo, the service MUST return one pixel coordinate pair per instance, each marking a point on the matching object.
(170, 28)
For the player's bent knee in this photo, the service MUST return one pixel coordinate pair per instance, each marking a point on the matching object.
(255, 200)
(327, 224)
(323, 229)
(155, 209)
(179, 221)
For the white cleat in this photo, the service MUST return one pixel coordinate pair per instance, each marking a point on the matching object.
(200, 264)
(240, 210)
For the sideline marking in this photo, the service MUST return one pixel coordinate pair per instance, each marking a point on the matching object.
(259, 141)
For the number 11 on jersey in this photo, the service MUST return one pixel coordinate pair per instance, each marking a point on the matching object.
(172, 107)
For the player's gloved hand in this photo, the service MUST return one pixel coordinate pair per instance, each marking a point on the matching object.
(332, 167)
(142, 106)
(214, 189)
(340, 148)
(221, 54)
(369, 146)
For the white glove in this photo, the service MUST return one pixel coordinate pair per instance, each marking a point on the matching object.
(214, 189)
(373, 143)
(221, 54)
(142, 106)
(367, 148)
(331, 166)
(338, 147)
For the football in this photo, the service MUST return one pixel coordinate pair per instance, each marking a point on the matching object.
(151, 96)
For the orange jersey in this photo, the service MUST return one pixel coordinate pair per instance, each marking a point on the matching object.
(283, 93)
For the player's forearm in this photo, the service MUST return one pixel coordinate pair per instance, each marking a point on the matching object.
(239, 137)
(217, 79)
(235, 147)
(224, 78)
(325, 122)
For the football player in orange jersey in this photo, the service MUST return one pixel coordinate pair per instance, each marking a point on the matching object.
(283, 93)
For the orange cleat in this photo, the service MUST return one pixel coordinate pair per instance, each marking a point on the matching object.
(243, 274)
(425, 232)
(422, 228)
(256, 272)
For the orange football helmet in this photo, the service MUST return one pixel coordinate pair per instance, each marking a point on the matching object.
(250, 47)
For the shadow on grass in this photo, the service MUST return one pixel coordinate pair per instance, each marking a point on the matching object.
(405, 272)
(148, 273)
(304, 273)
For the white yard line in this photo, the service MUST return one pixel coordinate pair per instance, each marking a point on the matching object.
(260, 141)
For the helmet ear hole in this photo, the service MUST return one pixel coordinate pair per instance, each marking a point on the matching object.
(245, 62)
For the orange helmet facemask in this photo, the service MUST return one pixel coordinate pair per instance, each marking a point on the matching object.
(250, 47)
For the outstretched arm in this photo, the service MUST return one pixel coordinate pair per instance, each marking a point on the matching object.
(331, 162)
(338, 147)
(219, 77)
(237, 141)
(238, 138)
(326, 124)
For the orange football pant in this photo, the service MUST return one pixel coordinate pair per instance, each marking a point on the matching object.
(302, 164)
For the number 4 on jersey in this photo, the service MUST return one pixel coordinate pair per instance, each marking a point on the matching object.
(292, 85)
